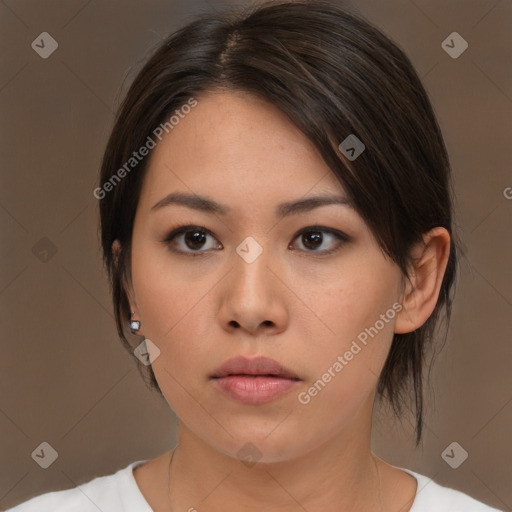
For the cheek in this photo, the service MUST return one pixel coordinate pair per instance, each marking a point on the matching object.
(357, 325)
(352, 299)
(166, 294)
(175, 310)
(344, 369)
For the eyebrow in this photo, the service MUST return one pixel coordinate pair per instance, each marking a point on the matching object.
(207, 205)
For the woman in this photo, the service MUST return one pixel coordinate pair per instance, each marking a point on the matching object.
(276, 222)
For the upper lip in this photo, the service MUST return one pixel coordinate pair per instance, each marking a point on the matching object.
(254, 366)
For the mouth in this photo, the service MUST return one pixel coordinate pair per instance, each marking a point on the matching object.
(254, 381)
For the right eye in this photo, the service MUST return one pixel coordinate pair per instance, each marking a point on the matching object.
(190, 240)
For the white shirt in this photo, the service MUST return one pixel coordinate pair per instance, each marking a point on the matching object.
(119, 492)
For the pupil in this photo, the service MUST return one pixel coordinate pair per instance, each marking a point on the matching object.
(315, 238)
(194, 239)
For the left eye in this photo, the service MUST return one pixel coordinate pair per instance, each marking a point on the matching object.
(192, 240)
(312, 238)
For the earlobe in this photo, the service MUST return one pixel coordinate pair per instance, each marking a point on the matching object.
(430, 258)
(134, 324)
(405, 320)
(134, 314)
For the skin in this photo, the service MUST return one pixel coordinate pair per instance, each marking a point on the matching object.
(291, 304)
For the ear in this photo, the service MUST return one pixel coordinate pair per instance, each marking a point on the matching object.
(116, 251)
(430, 257)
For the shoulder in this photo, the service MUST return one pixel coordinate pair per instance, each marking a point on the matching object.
(115, 492)
(432, 496)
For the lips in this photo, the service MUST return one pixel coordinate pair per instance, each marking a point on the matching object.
(257, 366)
(254, 381)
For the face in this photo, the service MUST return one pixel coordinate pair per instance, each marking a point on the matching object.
(307, 287)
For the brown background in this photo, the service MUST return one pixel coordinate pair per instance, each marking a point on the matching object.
(65, 378)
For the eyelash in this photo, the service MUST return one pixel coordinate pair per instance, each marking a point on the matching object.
(180, 230)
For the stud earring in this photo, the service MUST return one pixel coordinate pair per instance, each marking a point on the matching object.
(134, 324)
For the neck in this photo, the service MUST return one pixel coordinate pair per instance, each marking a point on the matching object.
(339, 475)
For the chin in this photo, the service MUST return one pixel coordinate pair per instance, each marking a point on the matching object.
(262, 445)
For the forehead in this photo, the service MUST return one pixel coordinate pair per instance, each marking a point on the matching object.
(236, 145)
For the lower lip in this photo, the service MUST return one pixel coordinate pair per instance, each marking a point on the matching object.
(255, 390)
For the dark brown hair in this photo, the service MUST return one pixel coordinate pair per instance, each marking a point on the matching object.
(333, 74)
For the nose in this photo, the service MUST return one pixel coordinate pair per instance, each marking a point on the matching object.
(252, 298)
